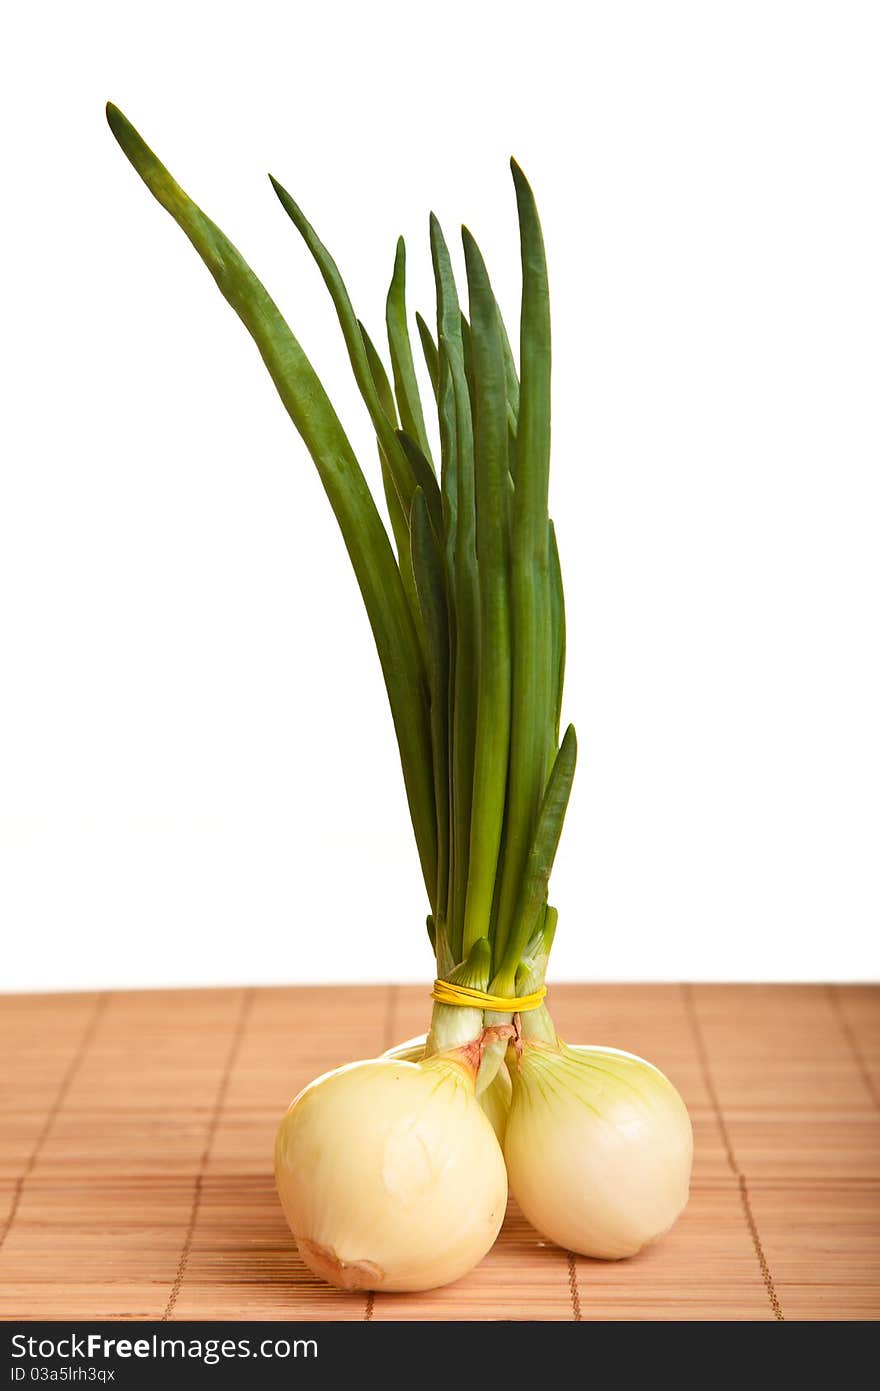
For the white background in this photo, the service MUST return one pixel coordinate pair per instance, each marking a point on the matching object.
(198, 779)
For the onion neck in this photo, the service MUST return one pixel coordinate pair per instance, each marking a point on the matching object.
(455, 1026)
(483, 1037)
(536, 1025)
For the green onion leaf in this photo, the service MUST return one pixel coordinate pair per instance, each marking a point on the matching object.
(462, 556)
(533, 681)
(405, 385)
(492, 735)
(396, 513)
(354, 342)
(540, 859)
(366, 540)
(430, 580)
(557, 615)
(426, 479)
(429, 349)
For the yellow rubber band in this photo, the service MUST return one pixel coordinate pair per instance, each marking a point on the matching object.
(445, 992)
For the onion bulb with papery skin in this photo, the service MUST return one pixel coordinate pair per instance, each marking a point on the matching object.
(495, 1100)
(598, 1148)
(390, 1175)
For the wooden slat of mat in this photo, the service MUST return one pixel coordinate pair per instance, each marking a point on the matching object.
(8, 1195)
(38, 1035)
(137, 1109)
(243, 1263)
(779, 1062)
(858, 1010)
(801, 1145)
(41, 1038)
(822, 1231)
(821, 1240)
(142, 1098)
(107, 1249)
(861, 1006)
(157, 1050)
(28, 1051)
(788, 1083)
(707, 1065)
(778, 1046)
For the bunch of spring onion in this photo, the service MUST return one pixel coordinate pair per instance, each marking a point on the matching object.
(393, 1173)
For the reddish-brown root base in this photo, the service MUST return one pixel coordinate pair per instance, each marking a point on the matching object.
(345, 1275)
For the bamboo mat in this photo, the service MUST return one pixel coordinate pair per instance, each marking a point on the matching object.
(137, 1132)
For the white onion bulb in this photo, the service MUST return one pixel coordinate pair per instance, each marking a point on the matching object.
(598, 1148)
(390, 1174)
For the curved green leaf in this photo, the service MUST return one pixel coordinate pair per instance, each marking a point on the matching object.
(492, 734)
(354, 342)
(539, 862)
(406, 387)
(365, 537)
